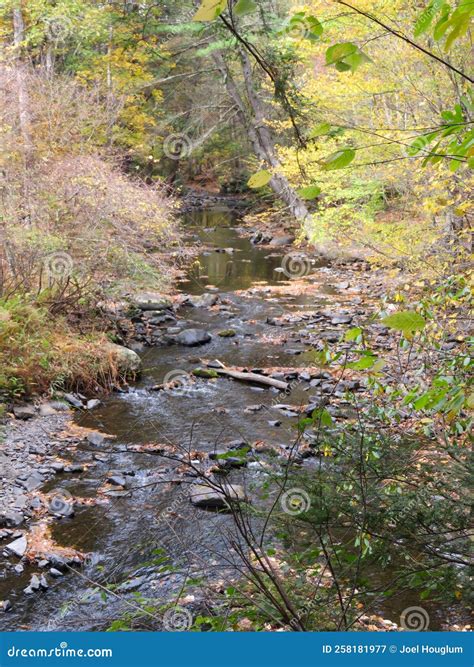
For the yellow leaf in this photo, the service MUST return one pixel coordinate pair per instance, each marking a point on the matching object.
(210, 10)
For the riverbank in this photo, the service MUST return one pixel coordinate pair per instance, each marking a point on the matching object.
(122, 472)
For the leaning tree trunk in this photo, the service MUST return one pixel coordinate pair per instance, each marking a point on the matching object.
(252, 117)
(23, 108)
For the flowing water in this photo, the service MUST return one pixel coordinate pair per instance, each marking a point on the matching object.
(127, 534)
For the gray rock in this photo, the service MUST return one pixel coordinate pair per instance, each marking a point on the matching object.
(73, 400)
(204, 301)
(55, 573)
(117, 480)
(35, 583)
(131, 585)
(151, 301)
(46, 410)
(5, 605)
(18, 547)
(33, 482)
(95, 438)
(11, 519)
(59, 406)
(27, 412)
(128, 361)
(209, 498)
(342, 319)
(19, 569)
(193, 337)
(281, 240)
(93, 403)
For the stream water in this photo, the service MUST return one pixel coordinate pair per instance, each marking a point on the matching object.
(126, 533)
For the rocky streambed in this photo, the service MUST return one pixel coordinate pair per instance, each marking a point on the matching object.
(103, 505)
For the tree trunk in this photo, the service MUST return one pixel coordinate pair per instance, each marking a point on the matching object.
(21, 77)
(252, 117)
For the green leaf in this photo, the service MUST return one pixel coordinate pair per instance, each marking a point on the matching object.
(339, 52)
(310, 192)
(363, 364)
(210, 10)
(321, 417)
(426, 17)
(319, 131)
(245, 7)
(259, 179)
(406, 321)
(346, 56)
(352, 334)
(339, 159)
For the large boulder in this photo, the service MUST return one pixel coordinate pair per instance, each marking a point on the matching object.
(193, 337)
(128, 362)
(151, 301)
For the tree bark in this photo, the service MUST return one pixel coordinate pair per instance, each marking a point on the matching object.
(252, 117)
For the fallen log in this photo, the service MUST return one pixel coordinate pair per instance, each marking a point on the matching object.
(252, 377)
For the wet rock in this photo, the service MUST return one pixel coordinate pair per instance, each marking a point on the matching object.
(253, 408)
(117, 480)
(95, 438)
(73, 400)
(215, 363)
(151, 301)
(75, 467)
(207, 373)
(131, 585)
(26, 412)
(55, 573)
(5, 605)
(35, 583)
(93, 403)
(274, 423)
(19, 569)
(193, 337)
(57, 562)
(236, 444)
(33, 482)
(57, 466)
(278, 241)
(208, 497)
(11, 518)
(204, 301)
(227, 333)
